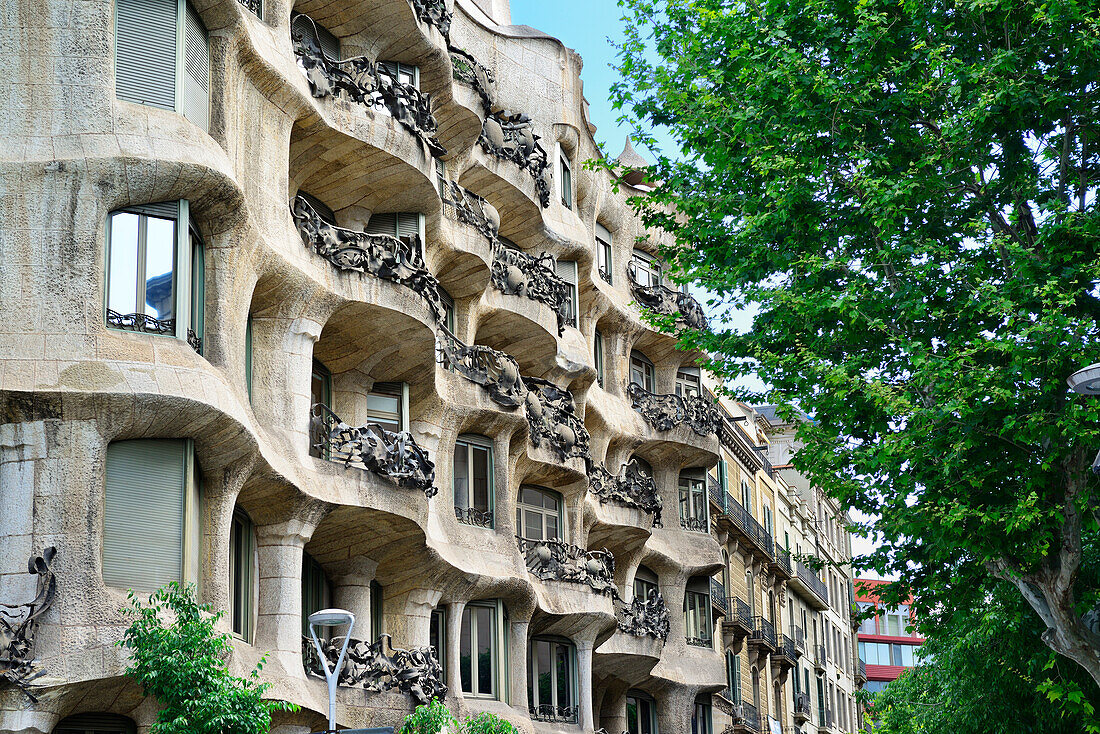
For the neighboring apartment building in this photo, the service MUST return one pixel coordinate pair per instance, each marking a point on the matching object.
(786, 629)
(887, 643)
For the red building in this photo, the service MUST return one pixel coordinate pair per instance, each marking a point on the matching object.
(885, 646)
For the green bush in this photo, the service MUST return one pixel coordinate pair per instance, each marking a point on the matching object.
(180, 659)
(485, 723)
(433, 717)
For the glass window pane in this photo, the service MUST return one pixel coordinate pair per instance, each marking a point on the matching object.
(484, 651)
(122, 269)
(461, 476)
(384, 410)
(545, 674)
(160, 260)
(552, 530)
(481, 470)
(564, 676)
(632, 716)
(533, 525)
(465, 646)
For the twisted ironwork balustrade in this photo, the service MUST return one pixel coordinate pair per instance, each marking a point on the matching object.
(694, 524)
(698, 641)
(643, 617)
(511, 137)
(554, 714)
(434, 13)
(552, 419)
(556, 560)
(494, 370)
(18, 625)
(395, 456)
(665, 412)
(367, 665)
(146, 324)
(468, 70)
(474, 516)
(368, 83)
(666, 301)
(632, 487)
(519, 273)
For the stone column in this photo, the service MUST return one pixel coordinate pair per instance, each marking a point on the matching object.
(454, 632)
(584, 683)
(410, 620)
(28, 722)
(279, 622)
(351, 591)
(517, 647)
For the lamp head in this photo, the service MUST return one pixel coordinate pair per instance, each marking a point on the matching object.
(1086, 381)
(331, 617)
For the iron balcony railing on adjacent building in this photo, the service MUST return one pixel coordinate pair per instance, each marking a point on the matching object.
(819, 657)
(743, 521)
(785, 655)
(802, 707)
(718, 596)
(861, 672)
(763, 633)
(738, 617)
(813, 583)
(799, 638)
(781, 563)
(746, 718)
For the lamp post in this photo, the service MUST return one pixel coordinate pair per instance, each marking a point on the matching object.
(331, 618)
(1086, 381)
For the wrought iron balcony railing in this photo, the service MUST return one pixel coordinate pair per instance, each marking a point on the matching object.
(368, 83)
(643, 617)
(743, 520)
(819, 656)
(435, 14)
(718, 595)
(783, 561)
(519, 273)
(763, 632)
(395, 456)
(367, 665)
(632, 487)
(147, 324)
(695, 524)
(494, 370)
(468, 70)
(667, 302)
(605, 274)
(383, 256)
(799, 638)
(745, 715)
(552, 419)
(474, 516)
(816, 585)
(556, 560)
(698, 641)
(786, 648)
(802, 707)
(554, 714)
(511, 137)
(739, 614)
(665, 412)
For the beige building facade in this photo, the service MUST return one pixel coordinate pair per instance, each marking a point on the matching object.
(314, 304)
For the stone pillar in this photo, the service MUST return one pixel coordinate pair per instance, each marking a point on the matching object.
(517, 647)
(351, 591)
(279, 621)
(28, 722)
(454, 632)
(584, 683)
(411, 627)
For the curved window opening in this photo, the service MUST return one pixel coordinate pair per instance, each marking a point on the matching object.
(641, 713)
(551, 680)
(645, 582)
(642, 371)
(242, 574)
(472, 480)
(646, 269)
(539, 514)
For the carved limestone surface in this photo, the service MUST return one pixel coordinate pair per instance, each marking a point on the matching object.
(468, 70)
(367, 665)
(18, 625)
(664, 300)
(643, 617)
(368, 83)
(552, 418)
(519, 273)
(556, 560)
(380, 255)
(496, 371)
(632, 487)
(394, 456)
(511, 136)
(469, 208)
(665, 412)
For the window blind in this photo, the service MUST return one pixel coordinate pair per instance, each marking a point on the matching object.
(330, 44)
(196, 78)
(145, 52)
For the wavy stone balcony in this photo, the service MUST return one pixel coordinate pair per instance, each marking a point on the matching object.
(382, 256)
(471, 72)
(631, 487)
(370, 84)
(415, 672)
(667, 302)
(644, 617)
(511, 136)
(665, 412)
(394, 456)
(556, 560)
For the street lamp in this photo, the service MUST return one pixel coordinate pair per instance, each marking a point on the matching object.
(1086, 381)
(331, 618)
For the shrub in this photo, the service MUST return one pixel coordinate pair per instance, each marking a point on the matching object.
(485, 723)
(428, 718)
(183, 663)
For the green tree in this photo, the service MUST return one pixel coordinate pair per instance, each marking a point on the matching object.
(179, 658)
(907, 192)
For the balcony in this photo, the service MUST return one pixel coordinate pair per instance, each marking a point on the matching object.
(746, 718)
(825, 722)
(780, 564)
(631, 487)
(819, 658)
(393, 456)
(511, 136)
(802, 708)
(495, 371)
(762, 638)
(738, 619)
(718, 598)
(146, 324)
(811, 587)
(518, 273)
(799, 638)
(474, 516)
(667, 302)
(552, 420)
(556, 560)
(861, 673)
(380, 255)
(554, 714)
(644, 617)
(665, 412)
(370, 84)
(695, 524)
(785, 656)
(415, 672)
(471, 72)
(748, 529)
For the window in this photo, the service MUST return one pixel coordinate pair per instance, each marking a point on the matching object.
(597, 357)
(566, 181)
(645, 269)
(769, 519)
(700, 718)
(376, 607)
(155, 272)
(313, 33)
(751, 601)
(603, 253)
(405, 226)
(697, 614)
(551, 676)
(567, 271)
(693, 501)
(316, 592)
(448, 310)
(641, 371)
(403, 73)
(641, 713)
(687, 381)
(95, 724)
(248, 357)
(441, 180)
(478, 649)
(645, 582)
(733, 675)
(152, 514)
(896, 621)
(473, 480)
(242, 560)
(539, 514)
(154, 38)
(746, 496)
(387, 405)
(777, 697)
(320, 386)
(884, 653)
(437, 636)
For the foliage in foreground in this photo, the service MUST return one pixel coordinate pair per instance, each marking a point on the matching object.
(988, 673)
(907, 192)
(179, 658)
(434, 717)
